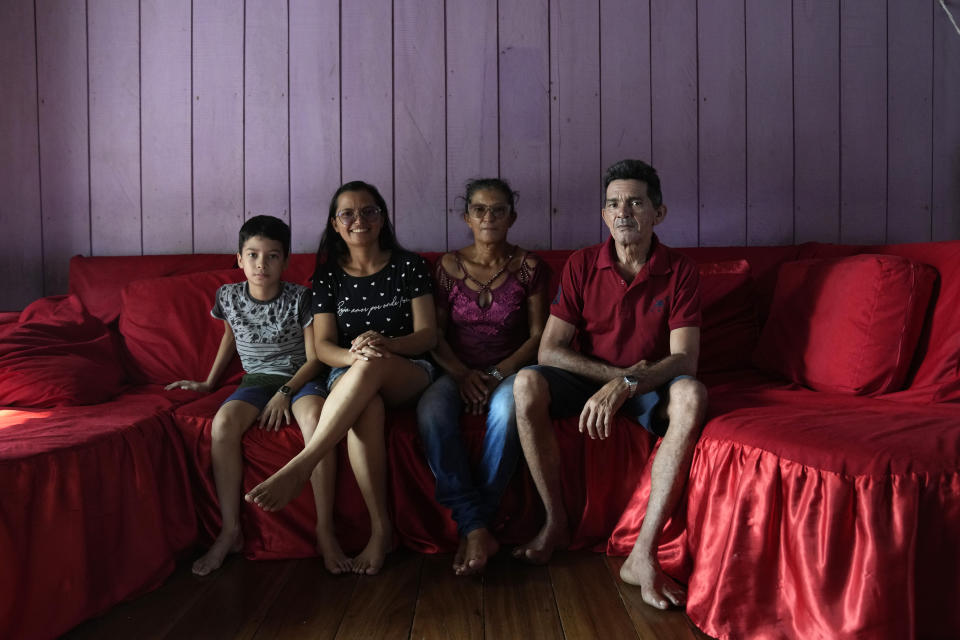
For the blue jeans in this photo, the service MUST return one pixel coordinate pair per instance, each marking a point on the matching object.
(473, 497)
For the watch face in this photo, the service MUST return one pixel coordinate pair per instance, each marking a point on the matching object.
(285, 390)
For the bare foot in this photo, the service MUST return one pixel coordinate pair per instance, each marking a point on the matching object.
(657, 588)
(278, 490)
(370, 560)
(539, 550)
(226, 543)
(334, 559)
(459, 558)
(481, 545)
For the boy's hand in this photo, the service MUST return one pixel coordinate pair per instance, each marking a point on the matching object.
(189, 385)
(276, 411)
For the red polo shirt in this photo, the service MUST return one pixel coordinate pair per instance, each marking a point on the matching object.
(622, 322)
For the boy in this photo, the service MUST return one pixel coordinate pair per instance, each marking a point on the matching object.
(264, 320)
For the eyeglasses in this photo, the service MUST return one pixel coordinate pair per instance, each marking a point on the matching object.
(347, 216)
(480, 211)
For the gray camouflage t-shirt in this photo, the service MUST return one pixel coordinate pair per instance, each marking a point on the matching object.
(269, 334)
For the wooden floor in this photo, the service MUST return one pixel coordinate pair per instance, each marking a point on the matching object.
(415, 596)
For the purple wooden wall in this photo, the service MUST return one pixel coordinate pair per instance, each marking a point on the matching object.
(158, 126)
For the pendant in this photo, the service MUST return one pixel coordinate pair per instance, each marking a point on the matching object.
(484, 298)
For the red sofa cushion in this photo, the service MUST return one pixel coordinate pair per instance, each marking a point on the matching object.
(59, 355)
(848, 325)
(729, 331)
(167, 328)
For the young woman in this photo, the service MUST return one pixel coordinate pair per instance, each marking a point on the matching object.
(491, 309)
(373, 322)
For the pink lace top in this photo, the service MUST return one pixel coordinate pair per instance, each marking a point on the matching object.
(483, 336)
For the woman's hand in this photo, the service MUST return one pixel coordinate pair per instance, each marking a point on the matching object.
(475, 389)
(275, 413)
(370, 344)
(190, 385)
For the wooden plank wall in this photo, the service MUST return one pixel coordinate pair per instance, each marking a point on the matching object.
(158, 126)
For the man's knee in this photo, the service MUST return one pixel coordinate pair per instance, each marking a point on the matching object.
(529, 389)
(688, 399)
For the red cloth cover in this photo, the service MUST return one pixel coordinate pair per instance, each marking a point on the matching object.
(59, 355)
(167, 328)
(98, 281)
(848, 325)
(95, 503)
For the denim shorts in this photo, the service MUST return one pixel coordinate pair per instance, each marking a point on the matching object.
(426, 365)
(569, 393)
(258, 388)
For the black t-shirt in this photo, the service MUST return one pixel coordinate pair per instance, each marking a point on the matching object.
(379, 302)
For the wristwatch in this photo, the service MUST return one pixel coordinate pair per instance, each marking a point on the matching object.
(493, 371)
(285, 390)
(632, 383)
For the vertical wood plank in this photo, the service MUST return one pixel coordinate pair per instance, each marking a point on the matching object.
(673, 71)
(518, 601)
(863, 122)
(217, 124)
(314, 117)
(946, 126)
(295, 612)
(625, 95)
(114, 50)
(525, 116)
(584, 591)
(234, 606)
(266, 149)
(448, 606)
(472, 107)
(909, 111)
(722, 123)
(165, 117)
(420, 151)
(769, 122)
(20, 214)
(367, 94)
(575, 123)
(816, 103)
(64, 141)
(382, 606)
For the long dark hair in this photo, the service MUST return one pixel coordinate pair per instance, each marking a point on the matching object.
(332, 247)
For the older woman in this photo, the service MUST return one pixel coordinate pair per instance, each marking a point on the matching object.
(491, 310)
(373, 322)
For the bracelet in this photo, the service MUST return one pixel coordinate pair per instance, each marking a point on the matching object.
(493, 371)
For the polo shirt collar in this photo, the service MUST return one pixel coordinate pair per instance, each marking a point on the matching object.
(657, 264)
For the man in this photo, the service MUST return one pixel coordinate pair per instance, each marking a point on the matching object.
(634, 305)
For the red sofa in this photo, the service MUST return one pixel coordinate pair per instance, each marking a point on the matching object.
(824, 494)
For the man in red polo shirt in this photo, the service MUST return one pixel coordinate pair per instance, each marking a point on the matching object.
(634, 305)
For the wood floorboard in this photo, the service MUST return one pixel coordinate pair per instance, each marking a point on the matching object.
(449, 607)
(237, 601)
(311, 604)
(579, 595)
(152, 615)
(651, 623)
(584, 593)
(382, 606)
(518, 601)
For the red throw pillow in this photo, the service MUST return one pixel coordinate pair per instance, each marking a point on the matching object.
(848, 325)
(167, 328)
(59, 355)
(729, 330)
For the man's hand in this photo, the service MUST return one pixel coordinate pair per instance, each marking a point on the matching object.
(276, 411)
(597, 415)
(189, 385)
